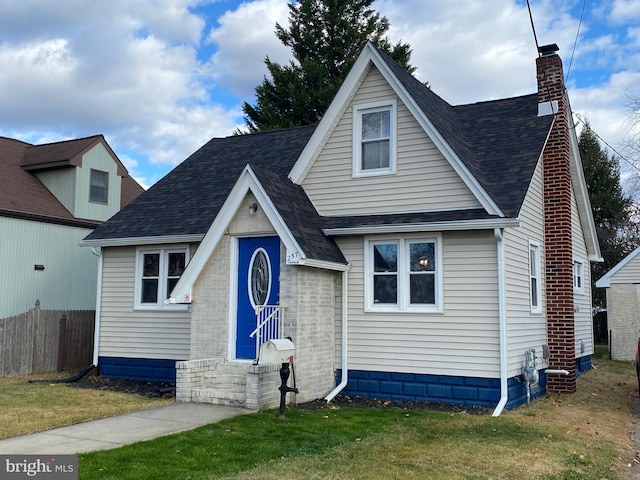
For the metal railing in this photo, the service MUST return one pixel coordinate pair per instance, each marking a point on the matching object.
(270, 320)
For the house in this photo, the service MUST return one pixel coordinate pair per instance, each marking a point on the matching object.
(623, 306)
(51, 197)
(410, 249)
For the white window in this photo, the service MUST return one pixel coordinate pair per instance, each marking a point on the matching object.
(403, 274)
(535, 287)
(374, 139)
(99, 186)
(157, 273)
(578, 275)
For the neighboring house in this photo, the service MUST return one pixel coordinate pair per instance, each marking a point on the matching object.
(411, 250)
(51, 197)
(623, 306)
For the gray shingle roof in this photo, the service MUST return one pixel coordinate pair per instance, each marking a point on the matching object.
(187, 200)
(498, 141)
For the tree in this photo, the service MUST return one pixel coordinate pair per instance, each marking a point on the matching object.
(325, 37)
(610, 206)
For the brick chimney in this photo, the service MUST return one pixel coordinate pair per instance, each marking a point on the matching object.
(557, 223)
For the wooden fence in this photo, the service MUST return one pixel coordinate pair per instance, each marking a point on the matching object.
(45, 341)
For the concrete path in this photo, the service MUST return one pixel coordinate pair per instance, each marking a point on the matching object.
(121, 430)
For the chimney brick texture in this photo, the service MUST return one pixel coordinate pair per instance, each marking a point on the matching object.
(557, 224)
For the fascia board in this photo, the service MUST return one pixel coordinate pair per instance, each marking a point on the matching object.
(580, 188)
(605, 281)
(182, 293)
(426, 227)
(346, 91)
(338, 267)
(135, 241)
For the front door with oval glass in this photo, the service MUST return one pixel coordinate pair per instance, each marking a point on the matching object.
(258, 274)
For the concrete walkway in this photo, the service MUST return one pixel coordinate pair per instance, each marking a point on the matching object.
(121, 430)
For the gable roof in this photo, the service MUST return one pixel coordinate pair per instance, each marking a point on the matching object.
(183, 205)
(494, 146)
(605, 280)
(22, 195)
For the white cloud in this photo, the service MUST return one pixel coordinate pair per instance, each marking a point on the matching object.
(625, 12)
(243, 39)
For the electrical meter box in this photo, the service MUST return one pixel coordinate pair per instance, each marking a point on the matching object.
(278, 351)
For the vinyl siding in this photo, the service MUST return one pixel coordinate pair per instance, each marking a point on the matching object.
(97, 158)
(62, 183)
(629, 273)
(424, 179)
(462, 341)
(525, 330)
(68, 280)
(125, 332)
(582, 301)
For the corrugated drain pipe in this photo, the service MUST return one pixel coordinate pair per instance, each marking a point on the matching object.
(502, 320)
(345, 325)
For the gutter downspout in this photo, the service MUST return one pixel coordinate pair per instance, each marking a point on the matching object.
(502, 319)
(345, 324)
(96, 332)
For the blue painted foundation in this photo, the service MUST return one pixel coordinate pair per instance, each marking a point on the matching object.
(463, 391)
(144, 369)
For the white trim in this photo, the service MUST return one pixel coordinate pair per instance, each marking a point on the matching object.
(502, 320)
(133, 241)
(578, 261)
(403, 275)
(368, 56)
(605, 281)
(535, 245)
(163, 252)
(250, 271)
(373, 107)
(425, 227)
(247, 182)
(233, 297)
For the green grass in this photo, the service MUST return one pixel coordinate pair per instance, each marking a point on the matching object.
(354, 443)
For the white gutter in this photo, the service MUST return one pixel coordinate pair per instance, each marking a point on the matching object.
(482, 224)
(96, 332)
(345, 328)
(502, 320)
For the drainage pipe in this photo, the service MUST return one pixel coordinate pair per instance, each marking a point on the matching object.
(551, 371)
(345, 329)
(96, 332)
(502, 320)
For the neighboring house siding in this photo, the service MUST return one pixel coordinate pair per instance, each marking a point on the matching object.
(525, 330)
(69, 278)
(581, 301)
(623, 305)
(62, 183)
(152, 334)
(424, 179)
(629, 273)
(462, 341)
(97, 158)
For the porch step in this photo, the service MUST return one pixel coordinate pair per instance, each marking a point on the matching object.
(226, 382)
(216, 396)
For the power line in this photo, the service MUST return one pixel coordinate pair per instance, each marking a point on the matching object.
(632, 164)
(584, 3)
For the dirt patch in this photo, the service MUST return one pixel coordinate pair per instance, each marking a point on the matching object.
(146, 389)
(363, 402)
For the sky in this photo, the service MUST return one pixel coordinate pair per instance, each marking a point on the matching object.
(159, 78)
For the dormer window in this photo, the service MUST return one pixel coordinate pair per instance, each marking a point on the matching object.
(99, 187)
(374, 139)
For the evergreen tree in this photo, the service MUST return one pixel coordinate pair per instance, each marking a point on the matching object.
(325, 37)
(610, 206)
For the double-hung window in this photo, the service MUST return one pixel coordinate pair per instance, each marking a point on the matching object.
(403, 274)
(535, 287)
(374, 139)
(98, 186)
(578, 276)
(157, 273)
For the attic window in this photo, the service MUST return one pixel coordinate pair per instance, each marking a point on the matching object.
(99, 187)
(374, 139)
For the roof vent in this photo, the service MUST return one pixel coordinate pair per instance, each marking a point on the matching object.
(545, 50)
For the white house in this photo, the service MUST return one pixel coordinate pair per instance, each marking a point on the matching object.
(411, 249)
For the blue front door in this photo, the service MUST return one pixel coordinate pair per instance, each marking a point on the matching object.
(258, 284)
